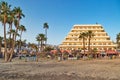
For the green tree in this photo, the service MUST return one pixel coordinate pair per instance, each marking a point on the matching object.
(45, 26)
(83, 36)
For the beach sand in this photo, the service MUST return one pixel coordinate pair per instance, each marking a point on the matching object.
(105, 69)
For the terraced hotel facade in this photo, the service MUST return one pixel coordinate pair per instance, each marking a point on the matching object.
(100, 41)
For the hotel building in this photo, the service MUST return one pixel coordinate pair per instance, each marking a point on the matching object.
(100, 40)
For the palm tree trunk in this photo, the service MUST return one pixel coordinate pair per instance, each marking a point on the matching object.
(0, 46)
(46, 36)
(16, 35)
(38, 46)
(14, 39)
(89, 46)
(5, 44)
(37, 56)
(20, 40)
(84, 46)
(12, 49)
(41, 47)
(10, 35)
(17, 28)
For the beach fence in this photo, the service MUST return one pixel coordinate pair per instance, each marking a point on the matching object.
(27, 57)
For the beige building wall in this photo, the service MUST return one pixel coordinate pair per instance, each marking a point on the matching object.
(101, 40)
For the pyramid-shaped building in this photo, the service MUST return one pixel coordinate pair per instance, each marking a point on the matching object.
(100, 41)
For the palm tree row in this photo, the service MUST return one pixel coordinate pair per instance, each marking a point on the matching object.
(84, 36)
(11, 16)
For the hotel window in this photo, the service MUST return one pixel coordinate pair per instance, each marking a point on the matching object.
(99, 43)
(103, 35)
(108, 39)
(75, 39)
(102, 30)
(109, 43)
(104, 43)
(98, 35)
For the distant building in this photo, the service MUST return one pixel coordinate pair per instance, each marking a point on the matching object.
(100, 41)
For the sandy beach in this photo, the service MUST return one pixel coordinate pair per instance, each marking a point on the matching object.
(65, 70)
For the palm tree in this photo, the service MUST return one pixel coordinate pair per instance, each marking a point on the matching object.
(4, 11)
(20, 43)
(118, 40)
(41, 38)
(10, 20)
(1, 39)
(83, 36)
(45, 26)
(38, 39)
(90, 34)
(13, 32)
(22, 29)
(19, 15)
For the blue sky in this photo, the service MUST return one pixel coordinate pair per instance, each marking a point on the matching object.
(61, 15)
